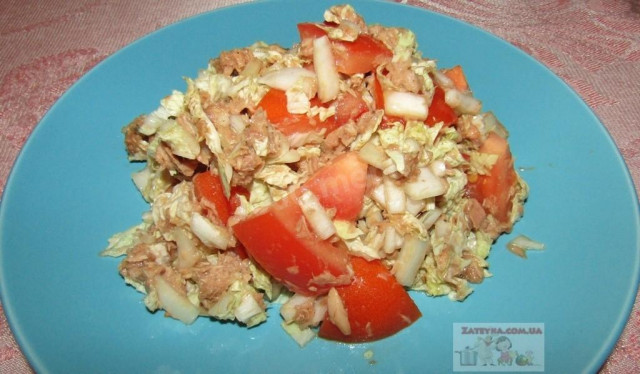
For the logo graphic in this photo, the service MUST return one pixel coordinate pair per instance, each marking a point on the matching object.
(498, 347)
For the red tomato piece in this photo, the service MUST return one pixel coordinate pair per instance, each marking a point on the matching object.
(274, 103)
(495, 190)
(297, 258)
(439, 110)
(341, 185)
(377, 305)
(359, 56)
(456, 74)
(209, 191)
(349, 106)
(276, 239)
(310, 31)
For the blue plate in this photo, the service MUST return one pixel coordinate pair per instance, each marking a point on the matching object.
(70, 190)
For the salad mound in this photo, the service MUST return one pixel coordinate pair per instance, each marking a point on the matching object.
(329, 177)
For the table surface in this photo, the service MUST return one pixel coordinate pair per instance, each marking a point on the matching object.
(593, 45)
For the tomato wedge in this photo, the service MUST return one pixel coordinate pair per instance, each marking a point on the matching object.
(377, 305)
(208, 190)
(298, 259)
(439, 110)
(359, 56)
(276, 239)
(341, 185)
(495, 190)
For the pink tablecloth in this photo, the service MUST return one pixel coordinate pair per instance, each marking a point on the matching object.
(594, 45)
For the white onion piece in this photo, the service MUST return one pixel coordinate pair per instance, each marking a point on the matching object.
(411, 256)
(406, 104)
(325, 67)
(188, 254)
(377, 194)
(316, 215)
(337, 312)
(462, 102)
(210, 234)
(285, 78)
(426, 185)
(394, 197)
(173, 302)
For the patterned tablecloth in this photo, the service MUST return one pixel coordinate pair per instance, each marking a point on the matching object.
(594, 45)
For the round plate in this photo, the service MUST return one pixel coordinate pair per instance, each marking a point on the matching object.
(70, 190)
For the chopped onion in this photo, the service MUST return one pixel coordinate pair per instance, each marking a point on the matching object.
(462, 102)
(316, 215)
(325, 66)
(247, 309)
(521, 244)
(210, 234)
(394, 197)
(411, 256)
(188, 254)
(285, 78)
(378, 195)
(174, 303)
(337, 312)
(406, 104)
(427, 185)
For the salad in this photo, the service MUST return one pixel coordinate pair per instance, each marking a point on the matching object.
(330, 178)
